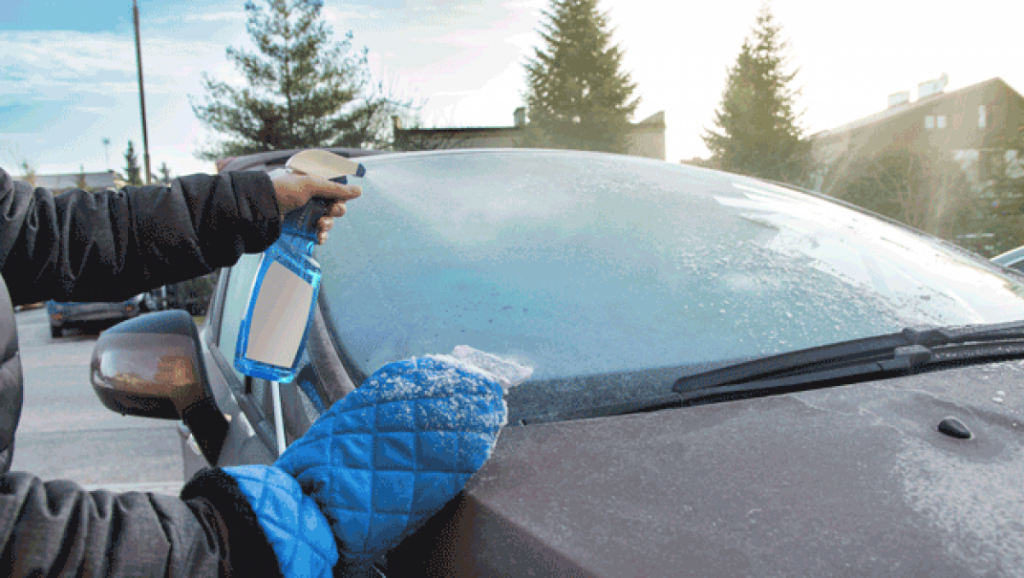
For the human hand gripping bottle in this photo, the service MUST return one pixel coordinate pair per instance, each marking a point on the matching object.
(272, 335)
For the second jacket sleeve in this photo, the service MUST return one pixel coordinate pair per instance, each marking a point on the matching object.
(58, 528)
(108, 246)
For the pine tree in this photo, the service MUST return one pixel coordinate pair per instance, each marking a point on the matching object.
(997, 205)
(165, 173)
(80, 182)
(28, 173)
(758, 131)
(304, 89)
(578, 98)
(132, 171)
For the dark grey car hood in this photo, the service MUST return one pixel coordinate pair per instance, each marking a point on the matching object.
(850, 481)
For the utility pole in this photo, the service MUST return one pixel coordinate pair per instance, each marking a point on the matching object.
(142, 93)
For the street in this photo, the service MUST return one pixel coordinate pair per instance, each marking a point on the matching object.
(66, 433)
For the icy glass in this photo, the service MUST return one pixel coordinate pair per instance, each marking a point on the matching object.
(579, 264)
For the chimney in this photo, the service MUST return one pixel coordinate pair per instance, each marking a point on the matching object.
(396, 122)
(899, 98)
(519, 117)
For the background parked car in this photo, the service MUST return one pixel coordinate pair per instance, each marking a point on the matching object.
(730, 377)
(192, 295)
(65, 315)
(1013, 259)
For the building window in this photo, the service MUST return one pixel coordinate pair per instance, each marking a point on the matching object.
(940, 121)
(929, 122)
(981, 116)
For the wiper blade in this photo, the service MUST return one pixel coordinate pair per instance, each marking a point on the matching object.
(843, 363)
(846, 362)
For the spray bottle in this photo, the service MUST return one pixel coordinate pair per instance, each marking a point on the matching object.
(272, 335)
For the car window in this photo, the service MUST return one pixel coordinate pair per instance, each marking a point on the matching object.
(236, 297)
(581, 264)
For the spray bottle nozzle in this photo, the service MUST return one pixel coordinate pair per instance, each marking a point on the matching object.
(343, 179)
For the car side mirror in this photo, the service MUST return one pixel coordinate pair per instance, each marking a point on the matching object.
(152, 366)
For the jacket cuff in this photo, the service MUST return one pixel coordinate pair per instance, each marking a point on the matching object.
(249, 551)
(292, 522)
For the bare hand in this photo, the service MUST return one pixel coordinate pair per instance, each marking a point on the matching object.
(295, 189)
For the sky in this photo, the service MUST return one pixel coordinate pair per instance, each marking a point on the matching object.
(68, 70)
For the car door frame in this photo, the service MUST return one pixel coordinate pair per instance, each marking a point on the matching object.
(249, 440)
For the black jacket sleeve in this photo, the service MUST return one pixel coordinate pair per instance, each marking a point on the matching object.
(58, 529)
(104, 247)
(112, 245)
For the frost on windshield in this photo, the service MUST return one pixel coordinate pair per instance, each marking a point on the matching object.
(922, 285)
(575, 264)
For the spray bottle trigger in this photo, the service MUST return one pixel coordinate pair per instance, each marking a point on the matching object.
(303, 220)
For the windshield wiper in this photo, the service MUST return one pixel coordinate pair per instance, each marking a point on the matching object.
(873, 358)
(894, 354)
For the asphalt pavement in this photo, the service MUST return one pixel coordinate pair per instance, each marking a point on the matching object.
(66, 433)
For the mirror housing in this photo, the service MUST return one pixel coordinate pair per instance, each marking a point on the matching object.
(152, 366)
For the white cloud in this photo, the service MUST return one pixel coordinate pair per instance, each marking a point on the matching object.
(338, 18)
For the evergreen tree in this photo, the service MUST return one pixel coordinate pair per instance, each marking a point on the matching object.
(28, 173)
(1007, 189)
(132, 171)
(996, 206)
(758, 134)
(165, 173)
(578, 98)
(304, 89)
(80, 182)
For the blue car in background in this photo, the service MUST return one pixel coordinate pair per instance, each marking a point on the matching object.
(64, 315)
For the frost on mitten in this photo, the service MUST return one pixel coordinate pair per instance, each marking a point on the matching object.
(392, 453)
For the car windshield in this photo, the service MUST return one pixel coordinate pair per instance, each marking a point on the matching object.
(579, 264)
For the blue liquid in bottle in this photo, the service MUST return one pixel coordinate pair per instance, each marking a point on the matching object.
(272, 335)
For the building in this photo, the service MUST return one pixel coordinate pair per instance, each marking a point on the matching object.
(940, 162)
(970, 123)
(646, 139)
(93, 181)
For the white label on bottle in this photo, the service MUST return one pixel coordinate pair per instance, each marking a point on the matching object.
(279, 317)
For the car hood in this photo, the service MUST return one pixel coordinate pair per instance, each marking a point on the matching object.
(847, 480)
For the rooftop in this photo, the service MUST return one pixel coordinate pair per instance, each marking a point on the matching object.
(900, 109)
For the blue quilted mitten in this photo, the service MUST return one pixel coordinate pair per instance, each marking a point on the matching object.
(293, 524)
(390, 454)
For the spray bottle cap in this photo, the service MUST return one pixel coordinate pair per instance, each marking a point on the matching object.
(325, 164)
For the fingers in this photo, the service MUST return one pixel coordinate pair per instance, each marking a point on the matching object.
(337, 209)
(324, 188)
(295, 189)
(323, 225)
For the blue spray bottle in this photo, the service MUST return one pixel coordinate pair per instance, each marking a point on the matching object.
(272, 335)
